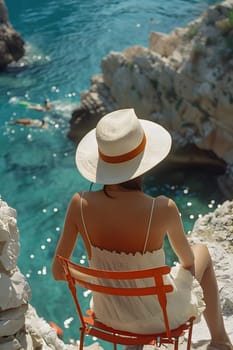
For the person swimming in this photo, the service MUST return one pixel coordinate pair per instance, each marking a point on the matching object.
(47, 106)
(40, 123)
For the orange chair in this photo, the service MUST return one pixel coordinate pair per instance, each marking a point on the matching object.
(84, 276)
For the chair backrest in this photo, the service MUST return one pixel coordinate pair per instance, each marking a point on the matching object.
(86, 278)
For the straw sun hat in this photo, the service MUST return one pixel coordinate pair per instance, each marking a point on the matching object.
(121, 147)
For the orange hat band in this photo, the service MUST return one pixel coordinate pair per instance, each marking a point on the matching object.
(126, 156)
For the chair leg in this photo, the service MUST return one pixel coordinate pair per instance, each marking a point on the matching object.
(189, 341)
(81, 340)
(176, 344)
(114, 346)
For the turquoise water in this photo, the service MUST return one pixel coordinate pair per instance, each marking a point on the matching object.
(65, 43)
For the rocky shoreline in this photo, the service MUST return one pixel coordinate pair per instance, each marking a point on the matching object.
(22, 329)
(216, 231)
(183, 80)
(11, 43)
(20, 326)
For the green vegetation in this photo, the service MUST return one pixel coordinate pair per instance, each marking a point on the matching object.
(192, 31)
(226, 24)
(229, 43)
(129, 64)
(230, 17)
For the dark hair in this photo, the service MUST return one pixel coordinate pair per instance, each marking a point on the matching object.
(131, 185)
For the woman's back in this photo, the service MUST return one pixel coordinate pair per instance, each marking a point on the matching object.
(122, 221)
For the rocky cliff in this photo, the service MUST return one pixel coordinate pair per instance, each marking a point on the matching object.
(20, 326)
(183, 80)
(216, 231)
(22, 329)
(11, 43)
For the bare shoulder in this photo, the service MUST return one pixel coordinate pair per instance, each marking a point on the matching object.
(163, 201)
(76, 197)
(166, 206)
(75, 201)
(73, 210)
(84, 196)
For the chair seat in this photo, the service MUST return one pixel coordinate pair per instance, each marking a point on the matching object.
(101, 330)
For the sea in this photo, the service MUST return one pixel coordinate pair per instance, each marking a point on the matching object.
(65, 43)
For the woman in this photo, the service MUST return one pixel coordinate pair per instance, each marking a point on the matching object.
(124, 228)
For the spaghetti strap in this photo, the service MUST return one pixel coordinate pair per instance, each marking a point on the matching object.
(149, 224)
(82, 216)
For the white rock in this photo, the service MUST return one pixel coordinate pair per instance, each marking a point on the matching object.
(12, 320)
(10, 253)
(12, 344)
(4, 233)
(5, 210)
(14, 290)
(45, 336)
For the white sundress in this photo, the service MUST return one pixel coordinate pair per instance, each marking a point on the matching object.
(143, 314)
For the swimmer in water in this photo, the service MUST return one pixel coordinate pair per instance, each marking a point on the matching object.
(47, 106)
(30, 122)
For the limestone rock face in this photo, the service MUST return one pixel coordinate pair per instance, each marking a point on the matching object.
(20, 326)
(14, 290)
(183, 80)
(216, 231)
(3, 12)
(11, 43)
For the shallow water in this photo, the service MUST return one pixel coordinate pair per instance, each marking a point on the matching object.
(65, 43)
